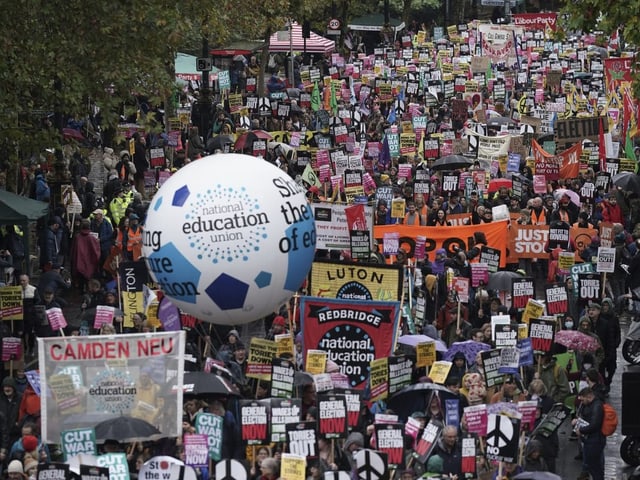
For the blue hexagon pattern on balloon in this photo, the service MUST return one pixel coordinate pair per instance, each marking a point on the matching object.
(263, 279)
(302, 256)
(227, 292)
(183, 282)
(180, 196)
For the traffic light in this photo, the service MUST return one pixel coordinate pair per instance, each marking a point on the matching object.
(203, 64)
(306, 29)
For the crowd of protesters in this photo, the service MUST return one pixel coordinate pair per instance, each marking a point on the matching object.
(77, 271)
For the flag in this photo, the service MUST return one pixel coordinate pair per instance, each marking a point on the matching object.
(570, 164)
(384, 159)
(602, 147)
(391, 117)
(315, 98)
(628, 147)
(333, 101)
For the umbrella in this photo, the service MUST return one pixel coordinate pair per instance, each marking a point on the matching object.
(413, 340)
(627, 181)
(203, 383)
(537, 476)
(575, 340)
(451, 162)
(501, 280)
(497, 122)
(245, 141)
(219, 142)
(496, 183)
(125, 429)
(468, 348)
(573, 196)
(302, 378)
(240, 58)
(416, 397)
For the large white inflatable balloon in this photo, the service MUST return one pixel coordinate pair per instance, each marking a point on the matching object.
(229, 238)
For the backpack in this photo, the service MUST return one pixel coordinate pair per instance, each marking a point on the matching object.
(609, 420)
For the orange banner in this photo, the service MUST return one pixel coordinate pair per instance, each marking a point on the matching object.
(529, 241)
(447, 237)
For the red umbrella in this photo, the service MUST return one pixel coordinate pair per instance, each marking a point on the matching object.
(495, 184)
(245, 141)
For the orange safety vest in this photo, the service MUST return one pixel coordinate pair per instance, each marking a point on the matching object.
(134, 243)
(476, 259)
(538, 219)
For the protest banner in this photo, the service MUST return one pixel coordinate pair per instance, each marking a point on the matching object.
(11, 303)
(390, 440)
(332, 416)
(557, 299)
(11, 348)
(133, 276)
(293, 467)
(166, 467)
(490, 257)
(525, 352)
(332, 230)
(283, 411)
(316, 363)
(527, 241)
(468, 452)
(104, 316)
(528, 411)
(400, 370)
(78, 441)
(116, 463)
(355, 281)
(90, 472)
(447, 237)
(353, 332)
(254, 421)
(589, 287)
(606, 260)
(53, 471)
(56, 318)
(534, 309)
(139, 365)
(284, 343)
(551, 421)
(353, 399)
(440, 371)
(522, 289)
(302, 439)
(212, 426)
(379, 379)
(476, 418)
(261, 353)
(282, 377)
(425, 354)
(505, 336)
(541, 333)
(490, 365)
(503, 434)
(509, 360)
(196, 450)
(427, 441)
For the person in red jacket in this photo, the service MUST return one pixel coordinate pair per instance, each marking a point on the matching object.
(611, 211)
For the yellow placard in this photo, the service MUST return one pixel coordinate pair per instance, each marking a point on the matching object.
(152, 314)
(11, 303)
(316, 361)
(523, 331)
(440, 371)
(379, 379)
(534, 309)
(293, 467)
(261, 353)
(425, 354)
(566, 260)
(284, 343)
(398, 208)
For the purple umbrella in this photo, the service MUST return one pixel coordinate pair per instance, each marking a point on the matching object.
(413, 340)
(469, 348)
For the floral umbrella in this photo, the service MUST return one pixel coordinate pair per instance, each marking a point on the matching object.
(575, 340)
(469, 349)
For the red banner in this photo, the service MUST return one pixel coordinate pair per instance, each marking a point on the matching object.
(353, 332)
(536, 21)
(447, 237)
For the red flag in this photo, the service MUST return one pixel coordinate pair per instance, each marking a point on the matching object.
(570, 164)
(602, 148)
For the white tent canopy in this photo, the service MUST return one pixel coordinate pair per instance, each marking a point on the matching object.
(315, 44)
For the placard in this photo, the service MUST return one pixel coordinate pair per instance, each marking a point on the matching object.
(78, 441)
(556, 298)
(212, 426)
(261, 353)
(196, 450)
(425, 354)
(282, 378)
(606, 260)
(522, 289)
(301, 438)
(332, 416)
(254, 421)
(390, 440)
(283, 412)
(541, 333)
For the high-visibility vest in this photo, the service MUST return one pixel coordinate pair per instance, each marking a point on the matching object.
(134, 242)
(538, 219)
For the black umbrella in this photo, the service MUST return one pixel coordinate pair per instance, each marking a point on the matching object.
(416, 398)
(627, 181)
(501, 280)
(302, 378)
(451, 162)
(125, 429)
(203, 383)
(220, 142)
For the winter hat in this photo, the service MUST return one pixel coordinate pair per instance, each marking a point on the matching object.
(279, 320)
(441, 251)
(233, 332)
(15, 467)
(9, 382)
(30, 443)
(30, 463)
(354, 438)
(608, 301)
(435, 464)
(124, 153)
